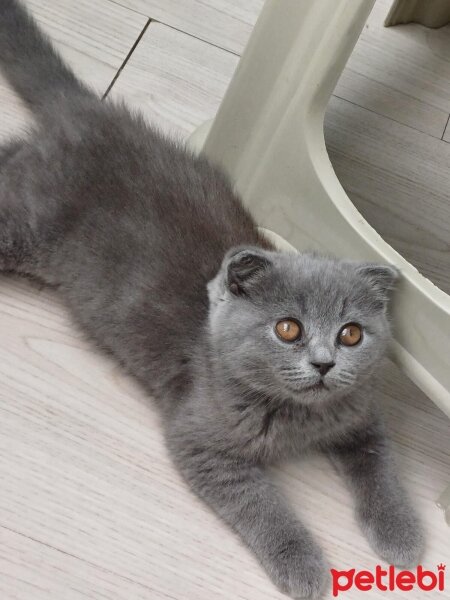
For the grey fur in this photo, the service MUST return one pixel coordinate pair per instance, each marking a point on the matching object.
(162, 266)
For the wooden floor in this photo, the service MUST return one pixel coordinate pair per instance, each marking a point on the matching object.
(90, 506)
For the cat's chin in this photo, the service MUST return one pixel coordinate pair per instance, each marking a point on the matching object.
(317, 394)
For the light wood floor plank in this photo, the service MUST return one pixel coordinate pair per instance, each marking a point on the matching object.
(400, 72)
(225, 23)
(400, 181)
(367, 92)
(176, 80)
(31, 570)
(447, 131)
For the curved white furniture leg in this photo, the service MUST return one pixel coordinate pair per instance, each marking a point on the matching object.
(268, 135)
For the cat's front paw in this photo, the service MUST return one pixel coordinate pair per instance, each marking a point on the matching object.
(396, 535)
(298, 569)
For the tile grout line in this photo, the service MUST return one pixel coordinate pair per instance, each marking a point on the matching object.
(127, 58)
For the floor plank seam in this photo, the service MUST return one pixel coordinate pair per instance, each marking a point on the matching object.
(200, 39)
(445, 129)
(195, 37)
(349, 69)
(391, 119)
(127, 58)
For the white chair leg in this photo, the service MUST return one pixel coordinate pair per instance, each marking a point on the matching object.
(444, 504)
(268, 135)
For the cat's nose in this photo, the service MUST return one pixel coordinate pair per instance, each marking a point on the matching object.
(323, 367)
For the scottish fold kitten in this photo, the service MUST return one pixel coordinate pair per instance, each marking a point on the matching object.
(253, 356)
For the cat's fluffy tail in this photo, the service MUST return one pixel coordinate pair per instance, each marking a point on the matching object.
(29, 61)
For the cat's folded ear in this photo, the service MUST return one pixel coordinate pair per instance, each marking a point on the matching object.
(381, 279)
(244, 269)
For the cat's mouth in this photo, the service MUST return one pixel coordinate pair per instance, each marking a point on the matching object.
(315, 387)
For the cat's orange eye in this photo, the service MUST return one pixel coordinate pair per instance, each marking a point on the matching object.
(350, 334)
(288, 330)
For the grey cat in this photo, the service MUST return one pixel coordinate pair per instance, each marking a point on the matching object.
(253, 356)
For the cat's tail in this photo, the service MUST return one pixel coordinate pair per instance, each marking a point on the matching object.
(30, 63)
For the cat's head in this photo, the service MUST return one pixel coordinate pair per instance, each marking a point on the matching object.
(299, 326)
